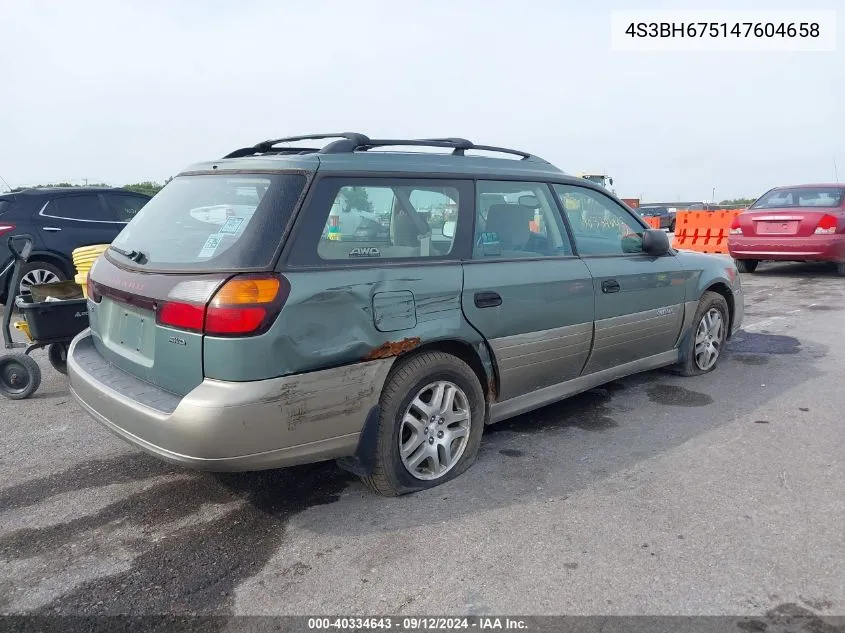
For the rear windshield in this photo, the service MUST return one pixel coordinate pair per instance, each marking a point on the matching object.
(800, 197)
(211, 222)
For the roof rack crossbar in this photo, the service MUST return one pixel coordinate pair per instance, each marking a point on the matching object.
(459, 145)
(265, 147)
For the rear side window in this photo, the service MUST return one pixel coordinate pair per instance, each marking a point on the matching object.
(85, 208)
(5, 205)
(393, 220)
(212, 222)
(124, 207)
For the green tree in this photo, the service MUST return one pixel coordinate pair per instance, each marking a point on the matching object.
(357, 198)
(738, 202)
(147, 187)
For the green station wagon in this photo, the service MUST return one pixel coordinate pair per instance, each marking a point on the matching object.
(290, 304)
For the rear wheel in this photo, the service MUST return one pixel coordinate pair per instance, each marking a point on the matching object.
(432, 413)
(57, 353)
(20, 376)
(34, 273)
(746, 265)
(707, 338)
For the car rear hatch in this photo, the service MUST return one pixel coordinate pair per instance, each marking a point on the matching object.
(195, 261)
(786, 223)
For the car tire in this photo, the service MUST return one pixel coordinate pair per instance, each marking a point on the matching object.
(746, 265)
(840, 269)
(20, 376)
(703, 340)
(408, 385)
(39, 272)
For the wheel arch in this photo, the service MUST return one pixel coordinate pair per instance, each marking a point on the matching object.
(722, 288)
(56, 259)
(477, 356)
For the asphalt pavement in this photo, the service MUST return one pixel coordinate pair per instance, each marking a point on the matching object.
(722, 494)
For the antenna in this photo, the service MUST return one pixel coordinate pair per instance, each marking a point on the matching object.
(835, 171)
(5, 183)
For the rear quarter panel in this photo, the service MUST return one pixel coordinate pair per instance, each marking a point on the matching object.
(341, 316)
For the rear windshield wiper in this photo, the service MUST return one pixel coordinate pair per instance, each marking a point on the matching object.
(135, 256)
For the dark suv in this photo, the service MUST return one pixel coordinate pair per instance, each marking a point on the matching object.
(61, 220)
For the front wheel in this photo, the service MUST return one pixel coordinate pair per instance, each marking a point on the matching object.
(20, 376)
(840, 269)
(432, 414)
(706, 341)
(746, 265)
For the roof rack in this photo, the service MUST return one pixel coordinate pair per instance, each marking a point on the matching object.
(267, 147)
(349, 142)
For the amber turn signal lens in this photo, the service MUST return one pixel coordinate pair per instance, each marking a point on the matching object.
(247, 291)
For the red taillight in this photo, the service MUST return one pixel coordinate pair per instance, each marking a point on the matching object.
(93, 295)
(243, 305)
(184, 316)
(735, 228)
(827, 225)
(6, 228)
(232, 320)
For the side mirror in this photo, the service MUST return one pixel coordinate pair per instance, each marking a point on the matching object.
(655, 242)
(449, 228)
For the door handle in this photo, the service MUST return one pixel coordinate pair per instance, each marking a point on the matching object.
(610, 285)
(51, 228)
(487, 299)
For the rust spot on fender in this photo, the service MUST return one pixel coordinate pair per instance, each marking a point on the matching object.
(393, 348)
(491, 389)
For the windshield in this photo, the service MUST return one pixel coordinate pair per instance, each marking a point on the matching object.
(211, 222)
(800, 197)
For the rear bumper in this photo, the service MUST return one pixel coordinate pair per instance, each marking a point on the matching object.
(813, 247)
(229, 426)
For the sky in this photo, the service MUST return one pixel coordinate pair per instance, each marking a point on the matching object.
(133, 90)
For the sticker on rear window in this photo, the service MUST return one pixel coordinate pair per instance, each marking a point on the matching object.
(365, 251)
(210, 246)
(231, 226)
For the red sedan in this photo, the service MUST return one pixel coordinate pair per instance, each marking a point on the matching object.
(801, 223)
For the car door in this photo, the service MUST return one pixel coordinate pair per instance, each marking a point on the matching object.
(525, 290)
(639, 298)
(69, 221)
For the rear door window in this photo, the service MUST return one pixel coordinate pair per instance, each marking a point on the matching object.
(87, 208)
(522, 221)
(123, 206)
(212, 222)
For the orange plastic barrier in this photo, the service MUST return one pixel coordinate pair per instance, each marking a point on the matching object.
(653, 222)
(703, 231)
